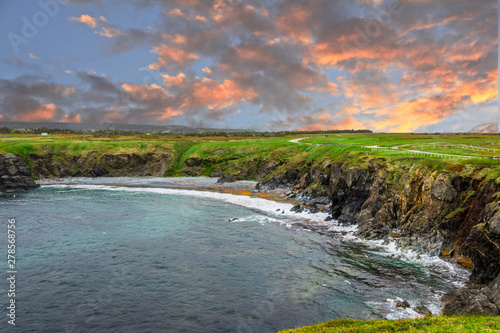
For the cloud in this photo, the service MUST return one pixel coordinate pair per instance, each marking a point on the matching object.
(110, 32)
(72, 118)
(388, 65)
(92, 22)
(98, 83)
(29, 109)
(176, 12)
(169, 55)
(32, 56)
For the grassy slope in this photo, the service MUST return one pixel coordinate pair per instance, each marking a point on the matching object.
(231, 154)
(452, 324)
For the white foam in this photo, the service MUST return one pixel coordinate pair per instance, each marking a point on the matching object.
(451, 271)
(270, 207)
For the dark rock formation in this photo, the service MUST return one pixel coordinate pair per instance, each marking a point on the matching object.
(225, 178)
(474, 299)
(423, 311)
(94, 164)
(297, 209)
(402, 304)
(14, 174)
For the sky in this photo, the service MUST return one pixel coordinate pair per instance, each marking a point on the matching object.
(267, 65)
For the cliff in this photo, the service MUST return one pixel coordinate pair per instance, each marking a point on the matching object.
(96, 164)
(14, 174)
(452, 213)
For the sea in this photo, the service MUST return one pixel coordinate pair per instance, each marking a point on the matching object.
(163, 255)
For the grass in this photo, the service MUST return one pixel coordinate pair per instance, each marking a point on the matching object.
(232, 154)
(451, 324)
(405, 139)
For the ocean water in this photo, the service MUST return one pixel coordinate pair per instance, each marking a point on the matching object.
(136, 256)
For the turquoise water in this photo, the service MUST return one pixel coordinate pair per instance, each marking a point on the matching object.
(107, 259)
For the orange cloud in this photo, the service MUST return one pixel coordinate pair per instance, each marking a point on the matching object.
(407, 116)
(110, 32)
(168, 113)
(171, 81)
(46, 112)
(214, 95)
(72, 119)
(168, 55)
(32, 56)
(177, 39)
(201, 18)
(92, 22)
(176, 12)
(294, 23)
(145, 92)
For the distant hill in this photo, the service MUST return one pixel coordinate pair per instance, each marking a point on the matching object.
(173, 129)
(491, 127)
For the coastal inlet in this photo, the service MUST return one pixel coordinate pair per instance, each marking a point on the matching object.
(138, 255)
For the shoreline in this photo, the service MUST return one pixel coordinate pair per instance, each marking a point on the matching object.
(241, 193)
(207, 184)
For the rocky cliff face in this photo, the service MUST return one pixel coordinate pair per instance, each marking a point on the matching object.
(94, 164)
(14, 174)
(455, 214)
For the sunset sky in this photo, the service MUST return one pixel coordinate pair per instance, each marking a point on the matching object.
(393, 66)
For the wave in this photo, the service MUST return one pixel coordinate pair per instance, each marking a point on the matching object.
(273, 208)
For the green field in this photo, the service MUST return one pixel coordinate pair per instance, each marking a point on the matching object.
(452, 324)
(232, 153)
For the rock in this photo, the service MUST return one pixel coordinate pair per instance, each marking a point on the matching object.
(313, 210)
(321, 201)
(442, 188)
(483, 300)
(297, 209)
(95, 164)
(328, 218)
(494, 224)
(423, 311)
(225, 178)
(234, 219)
(14, 174)
(402, 304)
(193, 161)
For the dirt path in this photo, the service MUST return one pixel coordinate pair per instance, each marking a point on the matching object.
(296, 140)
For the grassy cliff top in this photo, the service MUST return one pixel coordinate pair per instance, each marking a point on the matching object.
(431, 151)
(451, 324)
